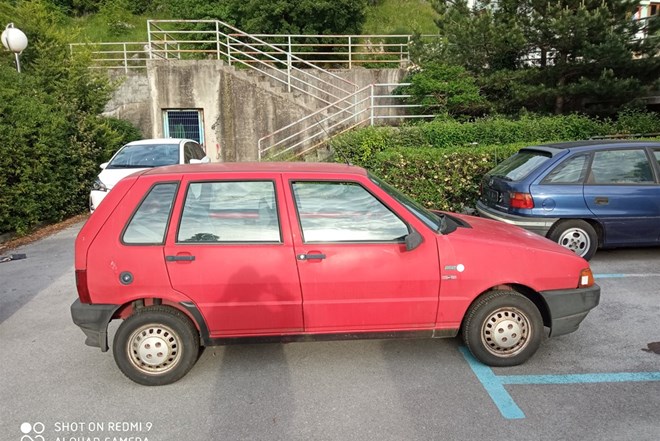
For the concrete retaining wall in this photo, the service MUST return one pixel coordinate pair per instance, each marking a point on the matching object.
(238, 106)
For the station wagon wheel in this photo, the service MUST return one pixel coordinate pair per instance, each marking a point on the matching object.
(576, 235)
(156, 345)
(503, 328)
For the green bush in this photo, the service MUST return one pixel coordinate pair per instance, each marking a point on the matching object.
(441, 179)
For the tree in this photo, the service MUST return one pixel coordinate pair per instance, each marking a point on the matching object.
(442, 88)
(559, 56)
(277, 16)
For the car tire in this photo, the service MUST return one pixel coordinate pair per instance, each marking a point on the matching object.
(503, 328)
(156, 345)
(576, 235)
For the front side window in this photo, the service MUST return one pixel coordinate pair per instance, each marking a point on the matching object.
(621, 167)
(571, 171)
(344, 212)
(236, 211)
(192, 150)
(149, 222)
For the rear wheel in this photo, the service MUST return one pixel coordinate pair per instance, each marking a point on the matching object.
(156, 346)
(503, 328)
(576, 235)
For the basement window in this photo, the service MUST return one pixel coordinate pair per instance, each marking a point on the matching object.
(183, 123)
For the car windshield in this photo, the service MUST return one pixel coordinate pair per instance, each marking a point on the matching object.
(145, 156)
(432, 220)
(520, 165)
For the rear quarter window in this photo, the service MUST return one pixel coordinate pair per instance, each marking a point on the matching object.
(149, 222)
(520, 165)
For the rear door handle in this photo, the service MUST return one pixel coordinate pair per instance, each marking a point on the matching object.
(310, 256)
(600, 200)
(180, 258)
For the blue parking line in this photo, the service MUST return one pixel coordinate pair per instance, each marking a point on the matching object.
(507, 407)
(620, 377)
(621, 276)
(494, 384)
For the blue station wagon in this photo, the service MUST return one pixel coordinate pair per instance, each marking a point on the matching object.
(582, 195)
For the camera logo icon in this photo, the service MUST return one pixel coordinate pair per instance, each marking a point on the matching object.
(33, 431)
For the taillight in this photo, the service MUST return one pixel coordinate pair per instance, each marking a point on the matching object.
(586, 278)
(521, 200)
(81, 285)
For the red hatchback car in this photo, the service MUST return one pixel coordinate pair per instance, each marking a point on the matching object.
(218, 253)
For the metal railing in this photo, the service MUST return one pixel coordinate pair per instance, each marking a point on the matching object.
(124, 55)
(366, 106)
(219, 40)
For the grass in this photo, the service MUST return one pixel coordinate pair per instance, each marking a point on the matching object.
(400, 17)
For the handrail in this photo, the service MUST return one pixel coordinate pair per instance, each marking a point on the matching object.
(301, 132)
(240, 32)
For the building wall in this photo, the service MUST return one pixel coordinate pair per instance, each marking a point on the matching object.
(238, 106)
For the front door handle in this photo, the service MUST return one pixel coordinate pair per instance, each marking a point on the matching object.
(183, 258)
(600, 200)
(310, 256)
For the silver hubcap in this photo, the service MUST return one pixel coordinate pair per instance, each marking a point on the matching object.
(576, 240)
(154, 349)
(506, 332)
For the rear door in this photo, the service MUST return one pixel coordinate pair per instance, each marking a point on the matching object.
(231, 252)
(623, 193)
(355, 271)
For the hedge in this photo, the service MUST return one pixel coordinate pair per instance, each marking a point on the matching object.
(440, 179)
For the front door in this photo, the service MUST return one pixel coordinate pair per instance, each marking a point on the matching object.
(232, 254)
(355, 271)
(623, 194)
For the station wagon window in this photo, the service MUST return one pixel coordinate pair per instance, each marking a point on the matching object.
(148, 224)
(344, 212)
(621, 167)
(236, 211)
(571, 171)
(656, 153)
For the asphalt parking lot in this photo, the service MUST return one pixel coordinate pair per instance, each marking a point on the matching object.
(599, 383)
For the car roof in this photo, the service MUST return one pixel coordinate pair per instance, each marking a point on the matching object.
(258, 167)
(591, 144)
(160, 141)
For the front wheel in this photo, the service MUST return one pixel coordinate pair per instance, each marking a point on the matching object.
(576, 235)
(503, 328)
(156, 346)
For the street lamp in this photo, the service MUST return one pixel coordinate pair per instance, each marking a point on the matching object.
(14, 40)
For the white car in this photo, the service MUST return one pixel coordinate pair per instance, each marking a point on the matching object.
(139, 155)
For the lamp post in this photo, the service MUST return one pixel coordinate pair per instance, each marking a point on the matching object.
(14, 40)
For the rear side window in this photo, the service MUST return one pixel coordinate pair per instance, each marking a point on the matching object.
(571, 171)
(236, 211)
(149, 222)
(520, 165)
(621, 167)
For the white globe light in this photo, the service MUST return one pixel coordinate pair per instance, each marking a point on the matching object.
(14, 39)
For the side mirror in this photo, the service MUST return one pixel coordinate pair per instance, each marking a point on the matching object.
(103, 166)
(413, 240)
